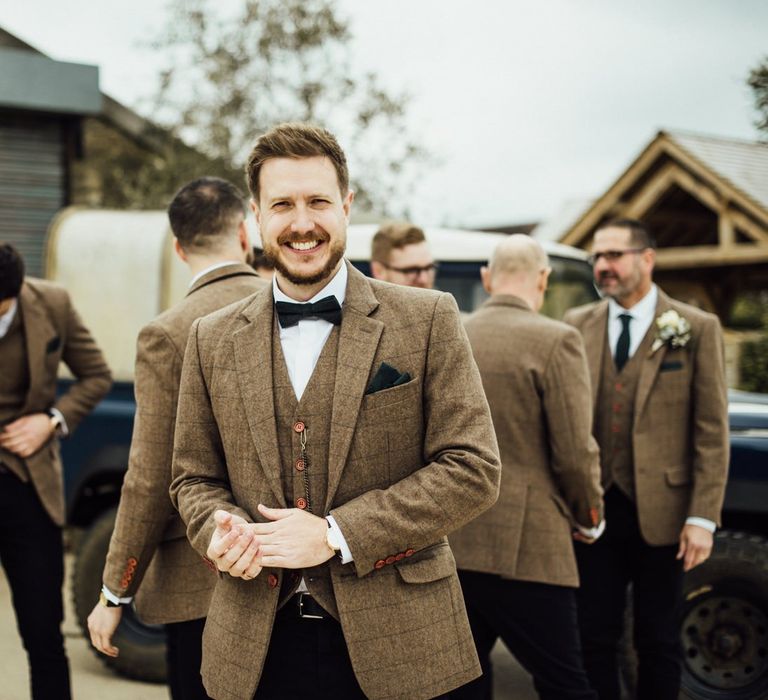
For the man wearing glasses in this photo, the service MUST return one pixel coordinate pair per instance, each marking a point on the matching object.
(661, 421)
(400, 254)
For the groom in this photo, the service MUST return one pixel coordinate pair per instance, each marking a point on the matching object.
(331, 431)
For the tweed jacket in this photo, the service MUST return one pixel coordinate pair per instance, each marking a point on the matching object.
(406, 465)
(54, 333)
(680, 425)
(177, 585)
(536, 380)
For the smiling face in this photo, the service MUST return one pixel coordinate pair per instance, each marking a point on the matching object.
(303, 217)
(626, 279)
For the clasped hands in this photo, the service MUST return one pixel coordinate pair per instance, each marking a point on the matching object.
(26, 435)
(290, 539)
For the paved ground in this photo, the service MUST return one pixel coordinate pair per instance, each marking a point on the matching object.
(91, 680)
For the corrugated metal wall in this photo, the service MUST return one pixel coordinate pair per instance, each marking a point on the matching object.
(32, 182)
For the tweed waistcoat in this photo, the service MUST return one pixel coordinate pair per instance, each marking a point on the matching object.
(615, 415)
(304, 472)
(14, 385)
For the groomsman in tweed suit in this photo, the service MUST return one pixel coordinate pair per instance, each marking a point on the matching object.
(516, 561)
(149, 555)
(331, 431)
(39, 328)
(661, 420)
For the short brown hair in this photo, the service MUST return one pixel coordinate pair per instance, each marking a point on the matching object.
(395, 234)
(204, 211)
(296, 140)
(639, 234)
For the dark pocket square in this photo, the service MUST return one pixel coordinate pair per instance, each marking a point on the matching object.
(387, 377)
(670, 366)
(53, 344)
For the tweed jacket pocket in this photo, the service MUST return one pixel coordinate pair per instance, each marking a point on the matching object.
(431, 567)
(677, 476)
(670, 366)
(388, 397)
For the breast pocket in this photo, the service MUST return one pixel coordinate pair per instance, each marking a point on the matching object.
(389, 421)
(383, 403)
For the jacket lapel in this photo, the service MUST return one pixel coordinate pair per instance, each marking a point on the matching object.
(38, 331)
(253, 360)
(596, 326)
(652, 361)
(358, 340)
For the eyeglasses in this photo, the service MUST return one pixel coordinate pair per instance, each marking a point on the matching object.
(414, 272)
(611, 255)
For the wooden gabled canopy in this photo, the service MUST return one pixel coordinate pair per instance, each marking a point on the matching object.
(706, 201)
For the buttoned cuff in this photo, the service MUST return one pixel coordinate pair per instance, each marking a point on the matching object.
(112, 598)
(592, 533)
(708, 525)
(62, 429)
(346, 553)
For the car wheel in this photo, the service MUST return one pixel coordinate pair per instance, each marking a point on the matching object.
(724, 627)
(142, 646)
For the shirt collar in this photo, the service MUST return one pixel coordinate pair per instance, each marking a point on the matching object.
(645, 308)
(7, 318)
(211, 268)
(336, 287)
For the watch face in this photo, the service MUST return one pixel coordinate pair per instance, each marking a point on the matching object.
(332, 541)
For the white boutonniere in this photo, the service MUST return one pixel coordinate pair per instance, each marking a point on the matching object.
(671, 329)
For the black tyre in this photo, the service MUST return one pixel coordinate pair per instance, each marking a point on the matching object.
(142, 646)
(724, 627)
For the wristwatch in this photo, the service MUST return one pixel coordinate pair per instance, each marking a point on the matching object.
(331, 539)
(55, 421)
(106, 602)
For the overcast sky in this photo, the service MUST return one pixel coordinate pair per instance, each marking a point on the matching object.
(528, 103)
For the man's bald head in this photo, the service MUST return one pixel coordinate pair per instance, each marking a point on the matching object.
(518, 255)
(519, 267)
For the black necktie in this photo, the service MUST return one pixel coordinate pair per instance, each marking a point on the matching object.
(327, 309)
(622, 347)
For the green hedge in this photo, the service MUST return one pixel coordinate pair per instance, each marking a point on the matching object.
(754, 365)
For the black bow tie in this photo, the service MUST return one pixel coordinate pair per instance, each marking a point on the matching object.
(327, 309)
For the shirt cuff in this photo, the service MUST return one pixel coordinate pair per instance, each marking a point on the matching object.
(346, 553)
(592, 533)
(63, 429)
(708, 525)
(112, 598)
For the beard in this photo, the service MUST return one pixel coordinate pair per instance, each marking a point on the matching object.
(336, 253)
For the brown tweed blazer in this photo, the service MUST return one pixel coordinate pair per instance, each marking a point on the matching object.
(178, 583)
(680, 430)
(536, 380)
(55, 333)
(406, 466)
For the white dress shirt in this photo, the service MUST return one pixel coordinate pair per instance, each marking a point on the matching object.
(7, 318)
(642, 314)
(302, 345)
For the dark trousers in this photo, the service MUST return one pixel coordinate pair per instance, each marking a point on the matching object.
(32, 556)
(606, 568)
(307, 658)
(184, 654)
(538, 624)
